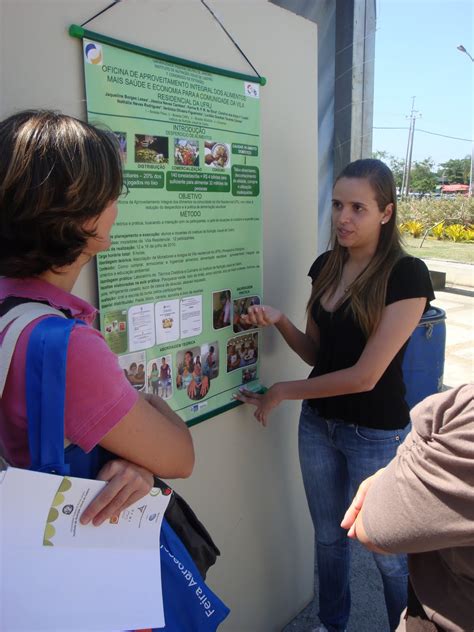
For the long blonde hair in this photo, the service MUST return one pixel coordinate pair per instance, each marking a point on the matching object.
(368, 290)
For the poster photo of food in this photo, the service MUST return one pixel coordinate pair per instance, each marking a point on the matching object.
(216, 155)
(186, 152)
(151, 149)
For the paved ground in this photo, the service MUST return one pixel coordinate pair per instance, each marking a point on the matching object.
(457, 299)
(458, 275)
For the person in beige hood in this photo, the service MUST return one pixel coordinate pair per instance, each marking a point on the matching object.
(422, 504)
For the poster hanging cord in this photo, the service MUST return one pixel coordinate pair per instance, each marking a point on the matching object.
(203, 2)
(112, 4)
(231, 38)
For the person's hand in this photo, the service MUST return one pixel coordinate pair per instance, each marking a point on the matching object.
(192, 388)
(204, 386)
(264, 403)
(127, 483)
(350, 517)
(261, 315)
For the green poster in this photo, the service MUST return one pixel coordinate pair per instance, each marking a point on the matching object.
(186, 254)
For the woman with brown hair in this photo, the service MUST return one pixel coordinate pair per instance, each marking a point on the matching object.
(59, 183)
(367, 298)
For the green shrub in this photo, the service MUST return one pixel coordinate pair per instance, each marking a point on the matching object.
(469, 234)
(431, 211)
(438, 231)
(456, 232)
(414, 227)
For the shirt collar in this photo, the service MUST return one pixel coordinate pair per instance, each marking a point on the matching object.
(40, 290)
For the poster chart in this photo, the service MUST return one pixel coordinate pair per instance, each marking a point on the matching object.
(186, 255)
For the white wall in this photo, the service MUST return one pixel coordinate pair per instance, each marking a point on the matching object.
(246, 486)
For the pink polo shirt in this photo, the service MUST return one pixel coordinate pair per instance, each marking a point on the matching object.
(98, 395)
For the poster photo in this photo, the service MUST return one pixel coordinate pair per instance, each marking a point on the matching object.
(197, 368)
(221, 309)
(240, 308)
(160, 377)
(242, 351)
(133, 365)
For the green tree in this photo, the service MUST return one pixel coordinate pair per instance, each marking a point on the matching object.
(422, 178)
(397, 165)
(455, 171)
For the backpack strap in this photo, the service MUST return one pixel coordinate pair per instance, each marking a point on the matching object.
(16, 319)
(46, 368)
(45, 378)
(46, 393)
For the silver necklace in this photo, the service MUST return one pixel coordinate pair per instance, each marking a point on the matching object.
(345, 288)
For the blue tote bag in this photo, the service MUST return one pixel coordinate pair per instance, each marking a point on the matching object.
(189, 605)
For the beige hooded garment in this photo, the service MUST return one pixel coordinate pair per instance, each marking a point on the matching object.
(423, 504)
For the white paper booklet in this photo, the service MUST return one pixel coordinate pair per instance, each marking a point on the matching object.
(57, 575)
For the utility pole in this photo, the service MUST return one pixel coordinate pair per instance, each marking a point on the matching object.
(471, 174)
(414, 114)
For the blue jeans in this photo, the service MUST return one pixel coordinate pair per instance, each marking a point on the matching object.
(335, 458)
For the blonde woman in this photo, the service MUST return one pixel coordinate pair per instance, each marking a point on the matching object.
(367, 298)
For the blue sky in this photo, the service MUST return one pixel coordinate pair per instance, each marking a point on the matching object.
(416, 55)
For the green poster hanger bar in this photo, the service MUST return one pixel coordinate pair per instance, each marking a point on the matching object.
(79, 32)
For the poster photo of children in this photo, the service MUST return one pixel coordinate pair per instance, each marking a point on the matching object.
(242, 351)
(221, 309)
(133, 365)
(241, 306)
(160, 377)
(196, 367)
